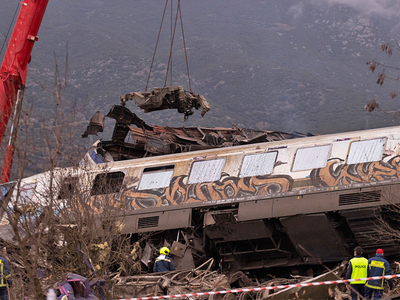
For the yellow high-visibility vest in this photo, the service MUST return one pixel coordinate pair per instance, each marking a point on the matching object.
(3, 280)
(359, 267)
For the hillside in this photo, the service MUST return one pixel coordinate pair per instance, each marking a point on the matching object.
(271, 65)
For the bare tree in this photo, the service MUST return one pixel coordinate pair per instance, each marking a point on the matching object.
(66, 219)
(385, 72)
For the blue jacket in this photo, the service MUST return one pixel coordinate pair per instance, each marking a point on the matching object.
(377, 266)
(5, 277)
(163, 264)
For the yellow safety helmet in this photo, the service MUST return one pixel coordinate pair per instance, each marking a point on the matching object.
(164, 250)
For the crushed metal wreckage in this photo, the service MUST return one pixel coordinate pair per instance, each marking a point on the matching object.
(153, 140)
(168, 98)
(311, 292)
(198, 280)
(205, 279)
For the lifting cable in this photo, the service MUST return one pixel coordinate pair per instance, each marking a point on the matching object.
(173, 30)
(9, 28)
(155, 50)
(184, 46)
(169, 67)
(172, 43)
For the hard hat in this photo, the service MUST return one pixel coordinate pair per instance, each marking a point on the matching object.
(379, 251)
(164, 250)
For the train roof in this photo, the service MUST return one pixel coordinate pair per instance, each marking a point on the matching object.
(153, 140)
(150, 141)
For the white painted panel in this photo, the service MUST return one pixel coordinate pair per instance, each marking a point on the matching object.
(27, 191)
(155, 180)
(206, 171)
(366, 151)
(311, 158)
(258, 164)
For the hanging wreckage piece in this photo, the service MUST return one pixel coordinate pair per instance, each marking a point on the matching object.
(168, 98)
(153, 140)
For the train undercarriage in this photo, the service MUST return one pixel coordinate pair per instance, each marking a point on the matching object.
(251, 250)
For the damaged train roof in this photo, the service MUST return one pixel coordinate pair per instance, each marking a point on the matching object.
(152, 140)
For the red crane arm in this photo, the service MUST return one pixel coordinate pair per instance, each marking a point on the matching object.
(14, 68)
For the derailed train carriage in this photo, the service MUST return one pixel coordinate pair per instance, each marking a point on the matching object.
(251, 199)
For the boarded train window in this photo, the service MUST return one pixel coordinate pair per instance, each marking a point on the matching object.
(311, 158)
(206, 171)
(156, 178)
(366, 151)
(258, 164)
(107, 183)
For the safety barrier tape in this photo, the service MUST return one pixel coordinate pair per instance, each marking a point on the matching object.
(263, 288)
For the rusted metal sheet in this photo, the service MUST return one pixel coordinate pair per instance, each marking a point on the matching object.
(168, 98)
(191, 280)
(178, 249)
(311, 292)
(185, 262)
(152, 140)
(96, 124)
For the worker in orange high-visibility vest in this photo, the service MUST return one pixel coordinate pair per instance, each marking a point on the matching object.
(5, 278)
(357, 269)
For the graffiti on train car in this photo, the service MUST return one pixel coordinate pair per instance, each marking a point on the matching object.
(336, 173)
(227, 188)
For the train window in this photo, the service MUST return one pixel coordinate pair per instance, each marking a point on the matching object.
(107, 183)
(258, 164)
(206, 171)
(311, 158)
(366, 151)
(68, 187)
(156, 177)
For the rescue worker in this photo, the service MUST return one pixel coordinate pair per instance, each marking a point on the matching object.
(163, 263)
(5, 279)
(357, 269)
(377, 266)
